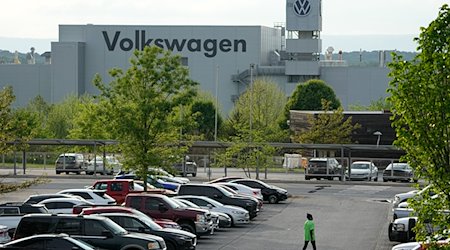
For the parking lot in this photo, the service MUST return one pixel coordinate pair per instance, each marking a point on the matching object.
(348, 215)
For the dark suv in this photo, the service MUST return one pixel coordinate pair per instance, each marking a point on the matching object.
(221, 195)
(98, 231)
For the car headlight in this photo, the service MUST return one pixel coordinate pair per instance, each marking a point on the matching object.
(153, 245)
(399, 227)
(201, 218)
(176, 226)
(248, 204)
(237, 212)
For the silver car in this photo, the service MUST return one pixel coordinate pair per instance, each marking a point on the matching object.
(238, 215)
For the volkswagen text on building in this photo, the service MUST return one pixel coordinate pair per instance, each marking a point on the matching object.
(287, 53)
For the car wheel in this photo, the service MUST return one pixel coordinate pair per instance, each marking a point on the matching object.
(307, 178)
(57, 172)
(273, 199)
(194, 174)
(376, 179)
(187, 227)
(232, 221)
(67, 172)
(385, 180)
(415, 180)
(170, 246)
(330, 178)
(390, 232)
(77, 172)
(340, 178)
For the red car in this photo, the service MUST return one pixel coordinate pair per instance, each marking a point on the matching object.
(117, 209)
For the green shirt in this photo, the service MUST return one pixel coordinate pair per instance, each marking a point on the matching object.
(309, 225)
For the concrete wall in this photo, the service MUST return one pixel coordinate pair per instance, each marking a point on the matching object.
(28, 81)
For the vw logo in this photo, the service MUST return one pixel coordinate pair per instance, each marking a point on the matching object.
(302, 7)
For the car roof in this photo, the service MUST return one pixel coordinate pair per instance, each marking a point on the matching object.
(65, 215)
(319, 159)
(76, 200)
(361, 162)
(71, 154)
(101, 208)
(81, 190)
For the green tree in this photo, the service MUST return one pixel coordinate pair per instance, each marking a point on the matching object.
(377, 105)
(309, 96)
(327, 128)
(41, 109)
(141, 107)
(61, 117)
(252, 124)
(259, 110)
(6, 125)
(203, 112)
(420, 96)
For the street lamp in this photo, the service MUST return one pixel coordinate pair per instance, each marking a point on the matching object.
(379, 134)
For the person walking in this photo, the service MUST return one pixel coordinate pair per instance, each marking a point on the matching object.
(309, 232)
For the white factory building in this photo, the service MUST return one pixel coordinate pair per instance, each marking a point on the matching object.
(223, 57)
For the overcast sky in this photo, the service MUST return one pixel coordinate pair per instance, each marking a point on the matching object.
(40, 19)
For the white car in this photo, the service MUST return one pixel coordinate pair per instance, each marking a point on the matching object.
(243, 189)
(238, 215)
(168, 177)
(362, 170)
(63, 205)
(402, 197)
(402, 229)
(418, 245)
(96, 165)
(97, 197)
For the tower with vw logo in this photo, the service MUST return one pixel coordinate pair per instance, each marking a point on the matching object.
(303, 43)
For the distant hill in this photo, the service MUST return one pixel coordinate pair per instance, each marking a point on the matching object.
(354, 58)
(369, 58)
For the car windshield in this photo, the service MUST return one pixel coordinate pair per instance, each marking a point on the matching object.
(171, 202)
(189, 203)
(399, 166)
(116, 229)
(213, 202)
(360, 166)
(226, 190)
(318, 163)
(149, 222)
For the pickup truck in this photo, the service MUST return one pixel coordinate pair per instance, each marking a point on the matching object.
(120, 188)
(11, 213)
(196, 221)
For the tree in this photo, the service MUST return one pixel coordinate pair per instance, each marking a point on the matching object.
(6, 126)
(420, 96)
(259, 110)
(252, 124)
(141, 104)
(204, 114)
(309, 96)
(377, 105)
(61, 117)
(327, 128)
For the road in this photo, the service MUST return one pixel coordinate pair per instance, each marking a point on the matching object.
(350, 215)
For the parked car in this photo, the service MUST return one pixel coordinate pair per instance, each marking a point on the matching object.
(259, 202)
(70, 162)
(96, 197)
(187, 167)
(214, 216)
(63, 205)
(118, 189)
(175, 239)
(160, 206)
(243, 189)
(154, 181)
(165, 223)
(36, 198)
(224, 179)
(326, 168)
(399, 172)
(48, 242)
(4, 234)
(402, 229)
(97, 231)
(12, 212)
(109, 167)
(402, 197)
(237, 214)
(220, 194)
(166, 176)
(220, 220)
(421, 245)
(271, 193)
(362, 170)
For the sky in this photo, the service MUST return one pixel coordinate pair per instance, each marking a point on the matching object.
(27, 23)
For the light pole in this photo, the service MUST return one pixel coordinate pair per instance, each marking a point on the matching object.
(217, 103)
(251, 100)
(379, 134)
